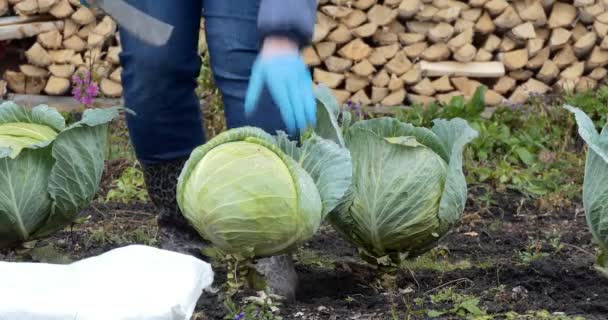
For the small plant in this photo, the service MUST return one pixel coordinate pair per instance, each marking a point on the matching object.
(261, 307)
(128, 188)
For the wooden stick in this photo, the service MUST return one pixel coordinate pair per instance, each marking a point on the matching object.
(26, 30)
(490, 69)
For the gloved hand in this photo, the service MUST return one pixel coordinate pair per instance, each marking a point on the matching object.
(290, 84)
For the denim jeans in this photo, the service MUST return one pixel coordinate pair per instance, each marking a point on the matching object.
(159, 82)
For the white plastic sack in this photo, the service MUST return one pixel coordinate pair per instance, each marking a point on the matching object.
(130, 283)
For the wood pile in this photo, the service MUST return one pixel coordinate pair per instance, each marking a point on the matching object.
(396, 52)
(69, 38)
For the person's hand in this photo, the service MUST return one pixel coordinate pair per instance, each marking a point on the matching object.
(283, 71)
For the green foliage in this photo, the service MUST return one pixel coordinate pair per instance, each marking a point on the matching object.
(259, 308)
(130, 187)
(460, 305)
(529, 148)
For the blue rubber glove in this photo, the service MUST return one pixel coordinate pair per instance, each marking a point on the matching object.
(290, 85)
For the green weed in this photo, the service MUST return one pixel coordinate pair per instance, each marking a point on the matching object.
(130, 187)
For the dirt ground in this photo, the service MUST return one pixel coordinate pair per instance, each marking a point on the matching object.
(508, 256)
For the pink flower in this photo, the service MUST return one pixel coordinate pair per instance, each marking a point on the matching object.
(84, 89)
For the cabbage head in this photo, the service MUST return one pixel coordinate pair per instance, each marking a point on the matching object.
(49, 171)
(408, 187)
(595, 183)
(255, 195)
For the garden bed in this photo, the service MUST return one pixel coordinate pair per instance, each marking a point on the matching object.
(511, 256)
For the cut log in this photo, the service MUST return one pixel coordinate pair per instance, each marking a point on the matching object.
(559, 38)
(584, 45)
(38, 56)
(341, 95)
(442, 84)
(364, 4)
(485, 25)
(604, 44)
(70, 28)
(363, 68)
(3, 10)
(361, 98)
(579, 31)
(61, 56)
(395, 98)
(534, 46)
(420, 27)
(449, 14)
(471, 14)
(496, 7)
(534, 12)
(574, 72)
(381, 15)
(562, 15)
(565, 57)
(366, 30)
(102, 32)
(76, 60)
(411, 38)
(385, 37)
(340, 35)
(477, 3)
(309, 55)
(521, 74)
(492, 43)
(600, 28)
(408, 9)
(50, 39)
(585, 84)
(83, 16)
(3, 87)
(508, 19)
(424, 87)
(548, 72)
(378, 94)
(33, 71)
(507, 44)
(74, 43)
(516, 59)
(57, 86)
(26, 7)
(492, 69)
(355, 19)
(15, 81)
(388, 52)
(27, 30)
(355, 50)
(395, 83)
(85, 31)
(463, 25)
(336, 12)
(355, 83)
(598, 58)
(540, 58)
(413, 76)
(337, 64)
(441, 32)
(381, 79)
(446, 98)
(325, 49)
(415, 50)
(598, 73)
(437, 52)
(330, 79)
(463, 38)
(34, 85)
(399, 65)
(504, 85)
(420, 100)
(377, 58)
(465, 85)
(45, 6)
(62, 70)
(62, 9)
(524, 31)
(482, 56)
(116, 75)
(466, 53)
(427, 13)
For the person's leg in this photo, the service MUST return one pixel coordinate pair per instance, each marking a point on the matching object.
(233, 44)
(159, 85)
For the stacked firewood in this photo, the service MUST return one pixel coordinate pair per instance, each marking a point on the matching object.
(394, 52)
(69, 39)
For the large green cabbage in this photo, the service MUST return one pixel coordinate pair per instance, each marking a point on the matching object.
(48, 171)
(595, 185)
(257, 195)
(408, 188)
